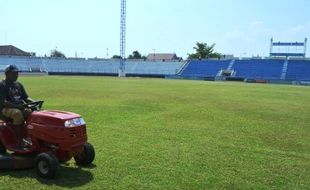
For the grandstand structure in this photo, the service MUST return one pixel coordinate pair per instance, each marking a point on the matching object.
(280, 67)
(268, 69)
(287, 64)
(257, 70)
(100, 67)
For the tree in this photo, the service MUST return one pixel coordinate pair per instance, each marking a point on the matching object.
(135, 55)
(116, 57)
(204, 51)
(56, 53)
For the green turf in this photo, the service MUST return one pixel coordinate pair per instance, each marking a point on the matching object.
(176, 134)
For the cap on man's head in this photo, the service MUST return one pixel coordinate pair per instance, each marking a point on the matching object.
(11, 68)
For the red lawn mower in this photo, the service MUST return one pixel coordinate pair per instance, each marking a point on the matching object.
(50, 137)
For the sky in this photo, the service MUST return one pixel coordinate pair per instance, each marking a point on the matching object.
(91, 28)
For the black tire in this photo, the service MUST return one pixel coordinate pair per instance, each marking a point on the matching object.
(87, 156)
(2, 148)
(46, 165)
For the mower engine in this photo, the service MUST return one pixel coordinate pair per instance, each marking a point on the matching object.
(64, 133)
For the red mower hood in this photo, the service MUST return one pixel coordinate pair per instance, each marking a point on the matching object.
(51, 116)
(57, 114)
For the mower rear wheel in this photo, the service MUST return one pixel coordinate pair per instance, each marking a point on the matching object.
(46, 165)
(87, 156)
(2, 148)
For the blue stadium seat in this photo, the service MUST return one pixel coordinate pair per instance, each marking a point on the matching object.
(298, 70)
(258, 68)
(109, 66)
(204, 68)
(250, 69)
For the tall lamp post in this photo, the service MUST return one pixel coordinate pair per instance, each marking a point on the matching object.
(121, 72)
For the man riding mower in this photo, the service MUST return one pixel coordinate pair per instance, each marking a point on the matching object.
(38, 138)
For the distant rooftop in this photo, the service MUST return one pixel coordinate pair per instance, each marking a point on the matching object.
(162, 56)
(13, 51)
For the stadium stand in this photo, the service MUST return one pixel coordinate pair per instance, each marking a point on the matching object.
(25, 64)
(153, 67)
(298, 70)
(92, 66)
(258, 68)
(275, 70)
(204, 68)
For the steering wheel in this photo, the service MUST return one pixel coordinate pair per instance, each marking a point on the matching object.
(34, 106)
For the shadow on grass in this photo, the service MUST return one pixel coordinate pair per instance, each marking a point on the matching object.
(69, 177)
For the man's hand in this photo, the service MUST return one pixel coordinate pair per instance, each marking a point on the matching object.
(30, 100)
(27, 112)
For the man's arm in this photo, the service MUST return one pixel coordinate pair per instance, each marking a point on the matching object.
(3, 102)
(25, 96)
(8, 104)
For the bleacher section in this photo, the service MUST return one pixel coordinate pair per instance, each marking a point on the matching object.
(91, 66)
(204, 68)
(25, 64)
(258, 68)
(298, 70)
(273, 70)
(80, 66)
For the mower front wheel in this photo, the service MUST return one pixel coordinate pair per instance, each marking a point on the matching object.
(46, 165)
(87, 156)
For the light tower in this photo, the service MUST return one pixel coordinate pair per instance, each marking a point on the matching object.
(121, 72)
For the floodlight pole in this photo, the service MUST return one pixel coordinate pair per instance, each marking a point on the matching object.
(121, 72)
(305, 48)
(271, 47)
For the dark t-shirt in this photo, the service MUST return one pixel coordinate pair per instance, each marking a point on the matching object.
(12, 92)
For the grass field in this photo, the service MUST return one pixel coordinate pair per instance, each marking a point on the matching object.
(176, 134)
